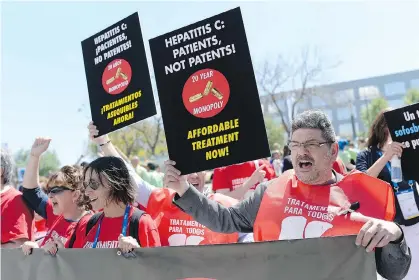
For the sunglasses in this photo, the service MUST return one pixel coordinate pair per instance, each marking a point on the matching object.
(57, 190)
(92, 184)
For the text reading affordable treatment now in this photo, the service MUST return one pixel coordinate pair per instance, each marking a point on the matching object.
(227, 137)
(112, 38)
(206, 42)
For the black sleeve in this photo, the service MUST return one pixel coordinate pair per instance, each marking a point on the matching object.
(362, 162)
(393, 261)
(36, 200)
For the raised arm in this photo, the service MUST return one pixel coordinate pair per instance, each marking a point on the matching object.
(31, 177)
(257, 177)
(239, 218)
(36, 199)
(374, 170)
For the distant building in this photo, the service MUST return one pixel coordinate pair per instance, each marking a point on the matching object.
(337, 100)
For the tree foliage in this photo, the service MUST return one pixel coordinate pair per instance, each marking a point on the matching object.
(49, 161)
(299, 74)
(144, 139)
(412, 97)
(275, 133)
(369, 113)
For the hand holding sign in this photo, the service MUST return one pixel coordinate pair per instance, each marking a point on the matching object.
(127, 243)
(173, 178)
(391, 149)
(375, 232)
(28, 247)
(93, 132)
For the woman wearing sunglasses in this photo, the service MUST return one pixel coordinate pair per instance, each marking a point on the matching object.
(64, 205)
(119, 225)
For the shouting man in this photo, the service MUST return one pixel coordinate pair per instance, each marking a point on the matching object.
(308, 202)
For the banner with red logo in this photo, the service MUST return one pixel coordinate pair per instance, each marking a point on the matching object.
(117, 76)
(308, 259)
(208, 94)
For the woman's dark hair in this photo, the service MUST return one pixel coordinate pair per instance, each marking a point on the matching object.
(71, 176)
(378, 133)
(114, 172)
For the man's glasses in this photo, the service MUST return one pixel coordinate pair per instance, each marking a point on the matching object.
(309, 145)
(57, 189)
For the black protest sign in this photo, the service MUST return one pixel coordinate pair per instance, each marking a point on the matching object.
(403, 124)
(208, 95)
(117, 76)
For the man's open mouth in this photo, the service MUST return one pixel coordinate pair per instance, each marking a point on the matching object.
(54, 204)
(195, 184)
(305, 164)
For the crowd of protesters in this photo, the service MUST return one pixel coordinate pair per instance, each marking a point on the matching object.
(114, 202)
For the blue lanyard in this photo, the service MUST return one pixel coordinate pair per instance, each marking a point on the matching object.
(395, 185)
(124, 225)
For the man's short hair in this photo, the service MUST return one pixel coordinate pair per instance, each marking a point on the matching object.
(7, 166)
(315, 119)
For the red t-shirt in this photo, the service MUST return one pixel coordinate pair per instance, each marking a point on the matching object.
(16, 218)
(339, 167)
(40, 229)
(233, 176)
(176, 228)
(110, 230)
(51, 217)
(40, 225)
(59, 227)
(63, 229)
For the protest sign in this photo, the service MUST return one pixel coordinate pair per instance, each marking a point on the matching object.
(117, 76)
(313, 258)
(403, 124)
(208, 95)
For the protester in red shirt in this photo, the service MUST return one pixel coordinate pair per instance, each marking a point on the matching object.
(64, 206)
(175, 227)
(311, 201)
(229, 180)
(16, 219)
(109, 187)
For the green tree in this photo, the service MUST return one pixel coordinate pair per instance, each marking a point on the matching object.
(152, 136)
(49, 161)
(369, 113)
(412, 96)
(275, 132)
(21, 157)
(143, 139)
(127, 140)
